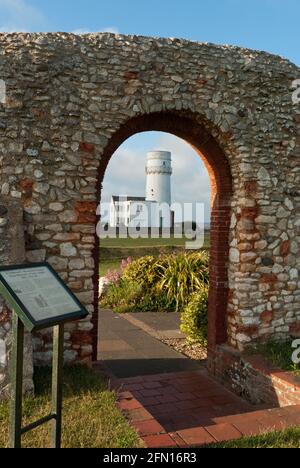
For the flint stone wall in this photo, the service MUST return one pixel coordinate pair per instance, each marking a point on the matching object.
(12, 251)
(255, 379)
(70, 102)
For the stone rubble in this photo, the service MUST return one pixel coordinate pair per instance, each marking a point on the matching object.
(12, 251)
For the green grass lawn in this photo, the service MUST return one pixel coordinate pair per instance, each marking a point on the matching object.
(286, 439)
(113, 251)
(90, 416)
(278, 354)
(108, 265)
(150, 242)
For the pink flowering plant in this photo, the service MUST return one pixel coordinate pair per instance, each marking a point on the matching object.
(126, 262)
(115, 276)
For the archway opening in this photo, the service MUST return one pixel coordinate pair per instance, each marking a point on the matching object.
(190, 129)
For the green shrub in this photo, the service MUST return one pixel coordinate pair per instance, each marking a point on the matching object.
(194, 318)
(129, 296)
(143, 271)
(158, 283)
(182, 275)
(153, 301)
(122, 296)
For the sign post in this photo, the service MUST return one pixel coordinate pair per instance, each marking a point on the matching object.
(39, 299)
(16, 381)
(58, 357)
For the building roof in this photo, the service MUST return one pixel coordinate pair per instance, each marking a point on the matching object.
(117, 198)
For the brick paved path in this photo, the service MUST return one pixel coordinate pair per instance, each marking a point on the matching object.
(188, 409)
(177, 404)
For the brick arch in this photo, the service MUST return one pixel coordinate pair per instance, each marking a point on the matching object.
(190, 129)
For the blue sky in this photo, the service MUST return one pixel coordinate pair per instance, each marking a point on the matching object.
(270, 25)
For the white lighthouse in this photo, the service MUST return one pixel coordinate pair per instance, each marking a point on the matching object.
(158, 188)
(159, 171)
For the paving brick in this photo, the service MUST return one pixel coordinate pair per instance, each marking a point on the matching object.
(196, 436)
(179, 442)
(250, 428)
(151, 392)
(187, 404)
(128, 405)
(140, 414)
(133, 387)
(202, 403)
(149, 401)
(150, 427)
(163, 408)
(152, 384)
(133, 380)
(224, 432)
(181, 396)
(167, 399)
(125, 396)
(221, 400)
(159, 441)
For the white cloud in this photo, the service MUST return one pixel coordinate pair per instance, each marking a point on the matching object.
(111, 29)
(125, 174)
(190, 180)
(18, 16)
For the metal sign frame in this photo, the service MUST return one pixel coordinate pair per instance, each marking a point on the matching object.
(22, 319)
(16, 429)
(30, 323)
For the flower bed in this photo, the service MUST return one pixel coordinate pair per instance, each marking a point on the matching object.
(175, 282)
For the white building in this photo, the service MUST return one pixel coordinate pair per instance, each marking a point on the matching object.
(129, 211)
(154, 210)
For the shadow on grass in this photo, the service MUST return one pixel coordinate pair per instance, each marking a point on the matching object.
(90, 416)
(285, 439)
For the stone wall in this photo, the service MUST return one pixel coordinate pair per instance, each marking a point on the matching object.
(255, 379)
(72, 100)
(12, 251)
